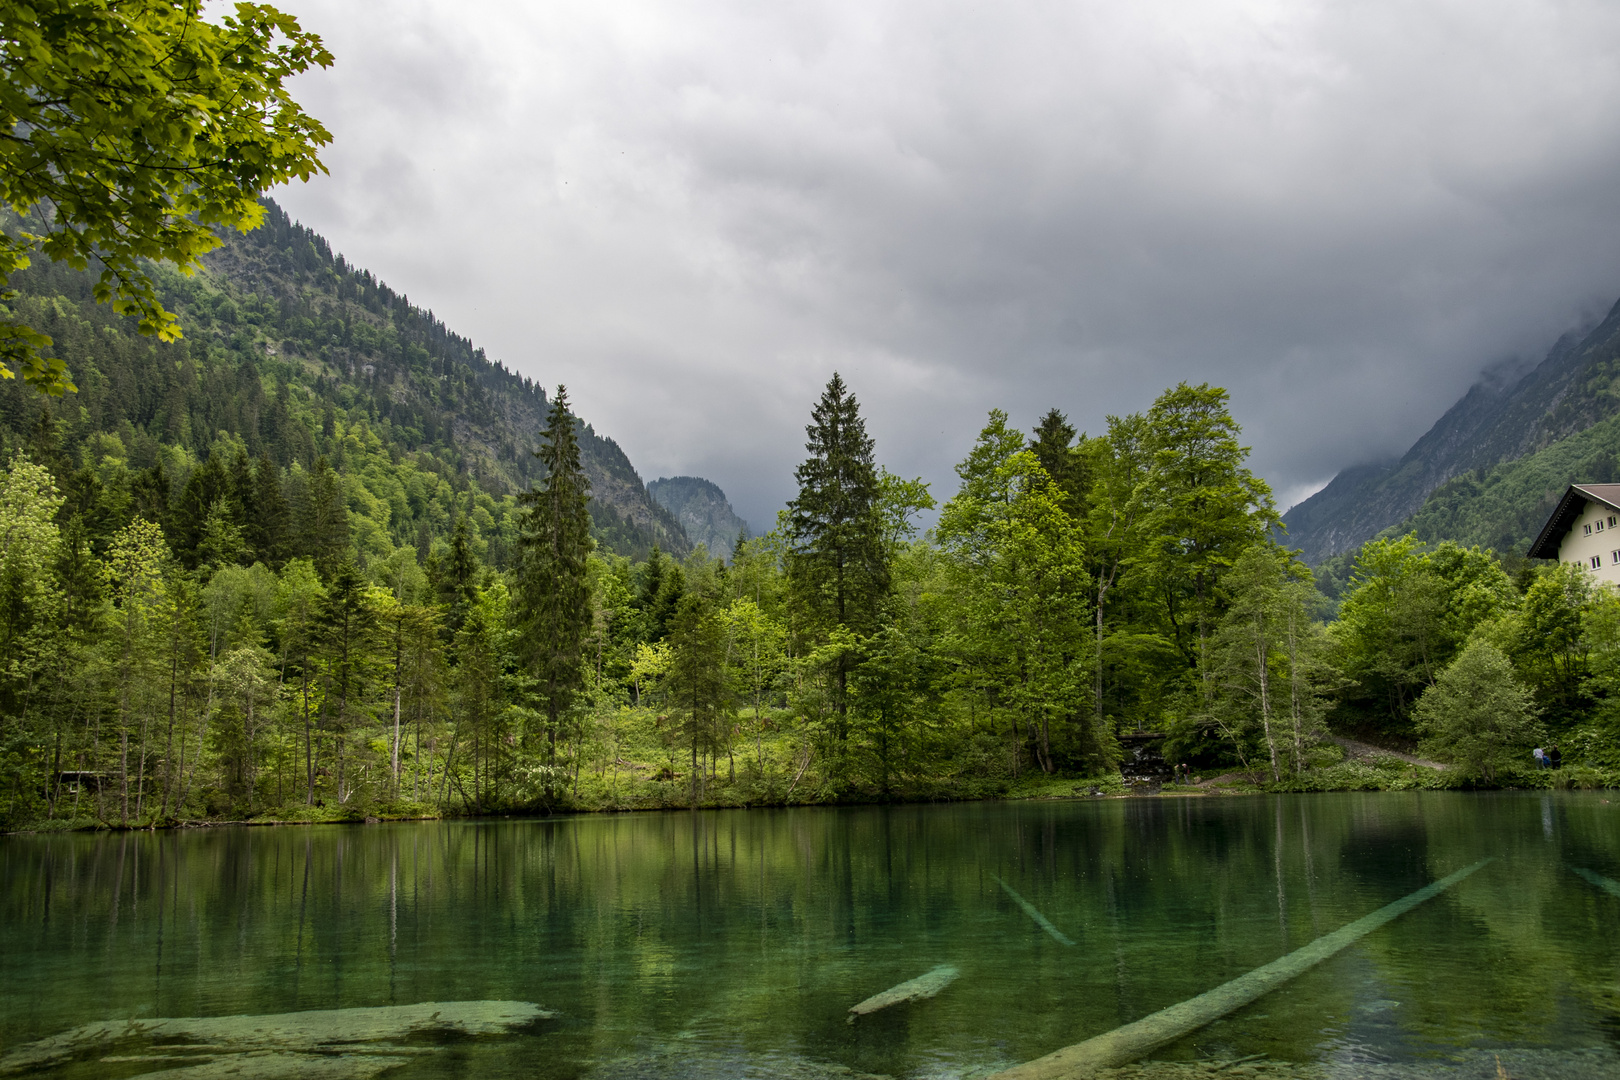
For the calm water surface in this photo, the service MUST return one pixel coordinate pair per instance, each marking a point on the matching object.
(745, 936)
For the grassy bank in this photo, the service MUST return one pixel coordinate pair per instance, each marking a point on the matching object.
(635, 766)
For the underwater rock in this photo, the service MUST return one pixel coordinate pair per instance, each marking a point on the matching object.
(247, 1038)
(919, 989)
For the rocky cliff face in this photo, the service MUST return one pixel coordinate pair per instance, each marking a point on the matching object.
(1504, 417)
(703, 512)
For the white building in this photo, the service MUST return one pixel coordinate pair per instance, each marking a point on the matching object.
(1585, 530)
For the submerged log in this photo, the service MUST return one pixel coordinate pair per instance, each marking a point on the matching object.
(1040, 920)
(247, 1038)
(919, 989)
(1606, 884)
(1126, 1044)
(283, 1065)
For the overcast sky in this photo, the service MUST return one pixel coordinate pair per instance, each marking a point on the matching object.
(693, 211)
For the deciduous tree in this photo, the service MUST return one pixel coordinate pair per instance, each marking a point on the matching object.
(1477, 713)
(131, 131)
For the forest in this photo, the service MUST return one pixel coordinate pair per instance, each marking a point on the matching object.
(321, 560)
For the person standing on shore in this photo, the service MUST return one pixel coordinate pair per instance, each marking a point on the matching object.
(1540, 756)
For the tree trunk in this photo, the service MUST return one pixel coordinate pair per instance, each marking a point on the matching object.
(1296, 706)
(309, 743)
(1265, 695)
(394, 764)
(168, 746)
(140, 782)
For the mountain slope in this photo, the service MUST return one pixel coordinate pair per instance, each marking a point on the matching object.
(1500, 419)
(292, 353)
(1503, 508)
(703, 511)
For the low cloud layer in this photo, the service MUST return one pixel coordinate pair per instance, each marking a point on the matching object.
(691, 213)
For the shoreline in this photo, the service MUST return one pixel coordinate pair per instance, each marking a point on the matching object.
(1213, 788)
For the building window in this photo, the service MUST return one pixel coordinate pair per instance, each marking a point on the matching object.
(1596, 561)
(1588, 529)
(1599, 524)
(1614, 557)
(1613, 521)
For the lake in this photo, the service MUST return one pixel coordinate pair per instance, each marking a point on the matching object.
(734, 943)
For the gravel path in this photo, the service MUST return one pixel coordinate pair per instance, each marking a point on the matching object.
(1353, 749)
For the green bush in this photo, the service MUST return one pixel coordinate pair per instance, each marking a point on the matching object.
(55, 825)
(1583, 778)
(1477, 714)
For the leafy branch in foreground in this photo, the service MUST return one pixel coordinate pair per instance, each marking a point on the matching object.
(130, 130)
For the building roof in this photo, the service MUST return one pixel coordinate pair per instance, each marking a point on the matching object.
(1570, 507)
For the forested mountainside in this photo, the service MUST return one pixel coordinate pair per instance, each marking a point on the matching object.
(298, 361)
(1503, 508)
(703, 511)
(1501, 419)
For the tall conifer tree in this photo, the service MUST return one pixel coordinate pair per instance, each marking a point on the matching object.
(348, 627)
(268, 515)
(553, 590)
(323, 520)
(838, 563)
(696, 681)
(1064, 462)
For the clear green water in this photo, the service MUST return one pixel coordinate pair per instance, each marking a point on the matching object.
(736, 941)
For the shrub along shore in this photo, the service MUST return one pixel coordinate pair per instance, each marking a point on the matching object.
(639, 788)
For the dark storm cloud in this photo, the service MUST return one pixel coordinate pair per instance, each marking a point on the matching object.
(692, 214)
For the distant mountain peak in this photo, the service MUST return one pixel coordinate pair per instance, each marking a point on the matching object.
(703, 511)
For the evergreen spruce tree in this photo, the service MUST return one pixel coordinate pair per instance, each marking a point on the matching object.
(241, 488)
(838, 562)
(267, 513)
(207, 492)
(553, 592)
(696, 681)
(149, 495)
(323, 520)
(1066, 463)
(349, 628)
(661, 588)
(458, 579)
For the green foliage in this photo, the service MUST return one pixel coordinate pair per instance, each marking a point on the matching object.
(248, 582)
(142, 127)
(1200, 508)
(1551, 644)
(29, 541)
(1021, 634)
(553, 592)
(1264, 669)
(838, 548)
(1504, 506)
(696, 682)
(837, 561)
(1477, 714)
(1404, 616)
